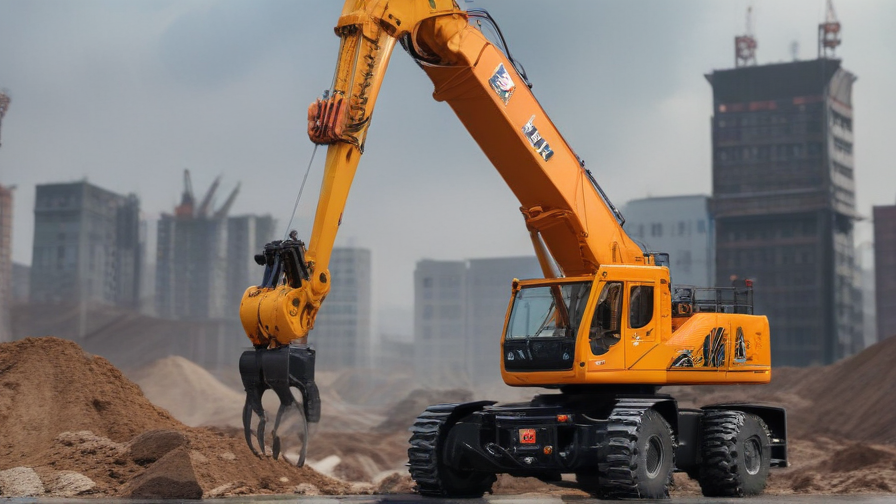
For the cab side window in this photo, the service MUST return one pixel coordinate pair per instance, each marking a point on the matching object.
(640, 306)
(605, 324)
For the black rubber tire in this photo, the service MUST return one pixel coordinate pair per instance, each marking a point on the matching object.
(736, 454)
(433, 477)
(640, 456)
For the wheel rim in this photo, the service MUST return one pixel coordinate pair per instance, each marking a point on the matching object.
(655, 456)
(753, 455)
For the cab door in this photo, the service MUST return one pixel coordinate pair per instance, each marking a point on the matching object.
(640, 320)
(604, 350)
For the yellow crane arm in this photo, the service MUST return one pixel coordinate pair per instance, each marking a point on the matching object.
(572, 223)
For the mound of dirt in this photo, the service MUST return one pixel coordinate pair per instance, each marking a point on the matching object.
(64, 412)
(827, 466)
(49, 386)
(402, 415)
(360, 456)
(366, 387)
(851, 399)
(190, 393)
(197, 398)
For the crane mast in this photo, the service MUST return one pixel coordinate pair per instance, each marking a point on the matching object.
(4, 106)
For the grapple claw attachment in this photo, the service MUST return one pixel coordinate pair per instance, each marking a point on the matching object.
(280, 370)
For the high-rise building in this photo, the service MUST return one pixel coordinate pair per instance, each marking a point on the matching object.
(21, 283)
(459, 309)
(86, 246)
(865, 263)
(246, 237)
(487, 294)
(885, 269)
(5, 261)
(680, 226)
(342, 330)
(784, 202)
(440, 344)
(192, 268)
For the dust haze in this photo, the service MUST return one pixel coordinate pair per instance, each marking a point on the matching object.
(129, 94)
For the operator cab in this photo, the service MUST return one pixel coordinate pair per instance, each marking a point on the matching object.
(562, 324)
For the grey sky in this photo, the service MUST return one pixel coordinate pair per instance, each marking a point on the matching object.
(128, 94)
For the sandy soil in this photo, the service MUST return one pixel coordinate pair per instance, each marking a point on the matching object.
(64, 410)
(841, 420)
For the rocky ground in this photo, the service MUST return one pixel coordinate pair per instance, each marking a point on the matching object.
(74, 425)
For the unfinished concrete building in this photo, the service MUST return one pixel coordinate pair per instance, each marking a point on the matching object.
(191, 259)
(784, 202)
(87, 246)
(204, 258)
(246, 236)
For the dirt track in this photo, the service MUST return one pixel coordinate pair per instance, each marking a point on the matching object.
(66, 414)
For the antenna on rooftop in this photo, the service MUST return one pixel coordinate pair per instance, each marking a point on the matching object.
(829, 33)
(745, 45)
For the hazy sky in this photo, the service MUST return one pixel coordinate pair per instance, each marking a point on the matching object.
(128, 94)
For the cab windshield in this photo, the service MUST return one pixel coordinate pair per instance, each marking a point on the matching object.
(550, 311)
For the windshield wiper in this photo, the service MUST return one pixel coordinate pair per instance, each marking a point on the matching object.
(544, 323)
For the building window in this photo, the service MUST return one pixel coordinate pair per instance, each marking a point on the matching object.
(842, 145)
(656, 230)
(701, 226)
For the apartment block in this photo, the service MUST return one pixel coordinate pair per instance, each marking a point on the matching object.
(342, 330)
(86, 246)
(680, 226)
(459, 310)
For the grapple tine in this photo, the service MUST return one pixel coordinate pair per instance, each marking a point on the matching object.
(276, 442)
(304, 450)
(247, 425)
(259, 433)
(253, 382)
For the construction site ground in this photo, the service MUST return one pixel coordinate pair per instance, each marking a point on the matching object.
(74, 426)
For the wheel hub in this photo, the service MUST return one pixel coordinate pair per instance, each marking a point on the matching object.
(752, 455)
(655, 456)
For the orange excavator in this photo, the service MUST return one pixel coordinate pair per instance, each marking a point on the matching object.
(605, 327)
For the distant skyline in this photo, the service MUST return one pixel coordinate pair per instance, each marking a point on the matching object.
(128, 94)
